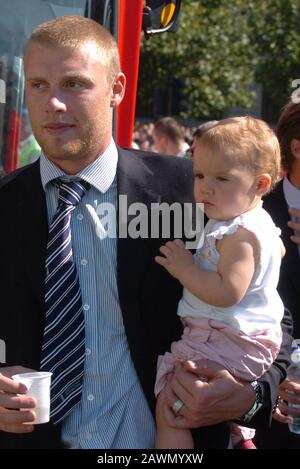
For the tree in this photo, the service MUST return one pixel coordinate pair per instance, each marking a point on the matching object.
(219, 50)
(210, 53)
(274, 31)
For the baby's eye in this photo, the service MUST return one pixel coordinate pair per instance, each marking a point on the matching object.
(222, 179)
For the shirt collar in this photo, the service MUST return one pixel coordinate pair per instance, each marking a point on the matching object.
(291, 193)
(100, 173)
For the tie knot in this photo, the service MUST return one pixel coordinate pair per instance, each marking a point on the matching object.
(70, 193)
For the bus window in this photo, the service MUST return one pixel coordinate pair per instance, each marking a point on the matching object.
(17, 20)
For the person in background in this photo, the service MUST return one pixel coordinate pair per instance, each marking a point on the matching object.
(283, 204)
(230, 309)
(29, 149)
(198, 134)
(168, 137)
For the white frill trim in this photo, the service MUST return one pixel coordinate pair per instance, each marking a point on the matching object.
(229, 227)
(220, 229)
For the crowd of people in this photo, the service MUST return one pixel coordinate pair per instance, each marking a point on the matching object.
(104, 314)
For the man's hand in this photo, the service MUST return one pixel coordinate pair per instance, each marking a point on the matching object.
(289, 391)
(12, 398)
(220, 398)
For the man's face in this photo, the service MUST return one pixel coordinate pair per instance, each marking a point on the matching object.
(70, 97)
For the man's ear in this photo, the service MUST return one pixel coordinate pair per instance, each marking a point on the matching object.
(118, 89)
(295, 148)
(263, 184)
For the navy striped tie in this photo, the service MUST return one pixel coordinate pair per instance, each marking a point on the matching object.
(63, 348)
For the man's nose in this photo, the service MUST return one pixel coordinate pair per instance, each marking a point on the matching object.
(56, 104)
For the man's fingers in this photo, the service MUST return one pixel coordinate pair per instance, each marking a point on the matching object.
(289, 397)
(16, 428)
(10, 418)
(288, 385)
(16, 416)
(170, 396)
(295, 239)
(288, 410)
(280, 417)
(294, 211)
(9, 371)
(205, 368)
(175, 389)
(14, 401)
(11, 386)
(177, 421)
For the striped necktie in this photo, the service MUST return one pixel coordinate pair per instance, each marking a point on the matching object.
(63, 348)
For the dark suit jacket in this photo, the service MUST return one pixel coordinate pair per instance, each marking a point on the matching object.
(148, 294)
(289, 281)
(289, 290)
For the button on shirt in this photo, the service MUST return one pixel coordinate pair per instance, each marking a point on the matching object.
(113, 412)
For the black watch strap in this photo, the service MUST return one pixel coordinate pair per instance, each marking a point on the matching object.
(258, 403)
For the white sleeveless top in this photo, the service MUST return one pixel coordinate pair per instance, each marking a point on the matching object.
(261, 308)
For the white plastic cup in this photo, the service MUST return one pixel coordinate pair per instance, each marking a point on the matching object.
(38, 385)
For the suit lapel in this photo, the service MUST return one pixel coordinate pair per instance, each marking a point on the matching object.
(133, 255)
(33, 229)
(276, 205)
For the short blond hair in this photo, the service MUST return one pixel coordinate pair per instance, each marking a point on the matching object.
(250, 141)
(74, 31)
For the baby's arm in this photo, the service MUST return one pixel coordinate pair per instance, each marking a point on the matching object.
(239, 254)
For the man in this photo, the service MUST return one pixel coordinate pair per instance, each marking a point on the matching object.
(283, 204)
(168, 137)
(73, 83)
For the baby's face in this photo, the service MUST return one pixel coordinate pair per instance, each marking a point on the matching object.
(225, 188)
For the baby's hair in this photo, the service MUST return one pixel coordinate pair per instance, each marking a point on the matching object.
(204, 128)
(250, 141)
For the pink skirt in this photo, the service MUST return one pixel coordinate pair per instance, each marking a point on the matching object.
(245, 357)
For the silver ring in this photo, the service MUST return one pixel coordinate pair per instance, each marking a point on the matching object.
(177, 406)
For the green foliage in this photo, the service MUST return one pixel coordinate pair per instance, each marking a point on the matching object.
(221, 48)
(275, 31)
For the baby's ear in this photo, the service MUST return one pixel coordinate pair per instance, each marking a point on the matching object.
(263, 184)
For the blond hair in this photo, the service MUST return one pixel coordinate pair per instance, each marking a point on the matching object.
(251, 142)
(74, 31)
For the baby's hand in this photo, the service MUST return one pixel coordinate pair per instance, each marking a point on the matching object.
(176, 258)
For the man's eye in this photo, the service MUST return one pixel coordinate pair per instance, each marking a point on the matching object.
(73, 84)
(199, 176)
(38, 85)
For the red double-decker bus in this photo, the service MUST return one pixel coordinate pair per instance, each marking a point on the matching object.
(125, 19)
